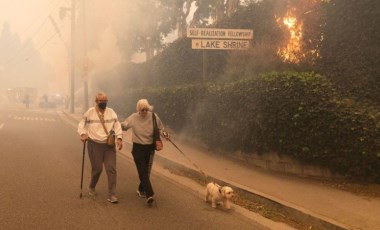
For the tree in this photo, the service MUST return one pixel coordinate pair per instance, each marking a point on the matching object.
(20, 63)
(181, 9)
(350, 51)
(7, 42)
(152, 20)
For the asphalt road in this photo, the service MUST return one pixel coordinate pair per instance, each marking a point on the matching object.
(41, 158)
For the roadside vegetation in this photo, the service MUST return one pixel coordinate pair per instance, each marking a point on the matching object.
(315, 98)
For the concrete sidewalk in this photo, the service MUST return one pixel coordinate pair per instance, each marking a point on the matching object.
(316, 204)
(312, 203)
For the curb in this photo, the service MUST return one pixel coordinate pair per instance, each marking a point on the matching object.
(303, 216)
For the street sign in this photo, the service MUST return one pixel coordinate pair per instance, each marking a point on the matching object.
(213, 44)
(218, 33)
(218, 39)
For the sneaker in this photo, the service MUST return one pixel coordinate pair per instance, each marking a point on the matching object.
(141, 194)
(150, 200)
(113, 199)
(91, 191)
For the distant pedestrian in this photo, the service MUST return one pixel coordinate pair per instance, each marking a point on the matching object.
(45, 98)
(67, 102)
(91, 129)
(143, 148)
(27, 101)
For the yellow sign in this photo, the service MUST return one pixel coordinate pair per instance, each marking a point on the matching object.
(213, 44)
(218, 33)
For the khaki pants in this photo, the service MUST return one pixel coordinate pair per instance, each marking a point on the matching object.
(100, 154)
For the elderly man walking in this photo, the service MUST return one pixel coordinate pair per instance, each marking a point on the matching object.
(95, 127)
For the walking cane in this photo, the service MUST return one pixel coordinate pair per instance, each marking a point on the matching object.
(81, 178)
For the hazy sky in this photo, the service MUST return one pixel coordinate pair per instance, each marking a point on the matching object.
(30, 19)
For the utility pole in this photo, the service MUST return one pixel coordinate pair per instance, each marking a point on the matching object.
(205, 65)
(85, 64)
(71, 50)
(72, 76)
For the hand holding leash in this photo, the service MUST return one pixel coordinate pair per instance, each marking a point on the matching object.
(166, 135)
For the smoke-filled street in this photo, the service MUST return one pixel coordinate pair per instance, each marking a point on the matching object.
(277, 101)
(40, 174)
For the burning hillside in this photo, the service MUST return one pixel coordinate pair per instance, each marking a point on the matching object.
(294, 22)
(292, 50)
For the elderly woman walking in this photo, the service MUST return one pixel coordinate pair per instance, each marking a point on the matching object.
(143, 149)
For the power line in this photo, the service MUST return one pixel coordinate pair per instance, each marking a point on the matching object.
(17, 52)
(33, 52)
(35, 20)
(51, 7)
(42, 46)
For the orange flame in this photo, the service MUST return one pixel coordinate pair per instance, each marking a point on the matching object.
(291, 52)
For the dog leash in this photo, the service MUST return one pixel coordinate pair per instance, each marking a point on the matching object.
(220, 188)
(195, 165)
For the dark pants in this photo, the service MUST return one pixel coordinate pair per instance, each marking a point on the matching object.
(100, 154)
(143, 156)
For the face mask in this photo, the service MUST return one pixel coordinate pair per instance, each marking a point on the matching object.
(102, 105)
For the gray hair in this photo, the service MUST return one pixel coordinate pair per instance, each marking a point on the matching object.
(143, 104)
(99, 95)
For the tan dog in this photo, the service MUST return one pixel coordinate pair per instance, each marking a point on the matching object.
(218, 194)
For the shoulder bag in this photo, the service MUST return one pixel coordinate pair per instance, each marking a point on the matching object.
(158, 145)
(111, 134)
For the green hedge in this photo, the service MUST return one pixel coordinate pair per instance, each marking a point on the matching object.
(295, 114)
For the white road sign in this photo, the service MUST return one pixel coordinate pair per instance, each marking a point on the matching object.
(218, 33)
(213, 44)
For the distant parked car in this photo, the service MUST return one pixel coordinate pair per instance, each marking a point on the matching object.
(50, 101)
(47, 104)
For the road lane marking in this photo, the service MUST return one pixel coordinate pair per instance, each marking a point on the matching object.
(34, 119)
